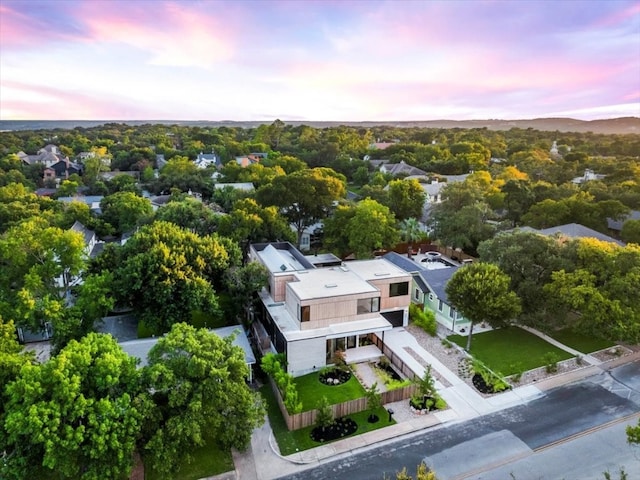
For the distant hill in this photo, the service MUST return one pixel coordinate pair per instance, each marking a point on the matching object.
(623, 125)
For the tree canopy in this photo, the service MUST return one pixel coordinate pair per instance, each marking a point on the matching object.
(481, 293)
(305, 196)
(165, 272)
(77, 416)
(199, 391)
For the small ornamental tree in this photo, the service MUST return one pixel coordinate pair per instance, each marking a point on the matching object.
(374, 399)
(324, 418)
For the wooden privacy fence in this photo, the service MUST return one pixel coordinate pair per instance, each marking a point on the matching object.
(297, 421)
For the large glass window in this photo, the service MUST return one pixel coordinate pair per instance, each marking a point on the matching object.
(398, 289)
(368, 305)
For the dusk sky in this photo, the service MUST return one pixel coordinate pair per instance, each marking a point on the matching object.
(318, 60)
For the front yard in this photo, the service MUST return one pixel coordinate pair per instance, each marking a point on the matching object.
(511, 350)
(311, 390)
(290, 442)
(579, 341)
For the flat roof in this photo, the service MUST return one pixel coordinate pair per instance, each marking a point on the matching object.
(375, 269)
(329, 282)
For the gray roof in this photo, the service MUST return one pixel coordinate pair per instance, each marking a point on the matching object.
(574, 230)
(617, 224)
(428, 280)
(140, 348)
(437, 280)
(88, 234)
(403, 262)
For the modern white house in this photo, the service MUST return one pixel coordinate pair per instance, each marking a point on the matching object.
(310, 310)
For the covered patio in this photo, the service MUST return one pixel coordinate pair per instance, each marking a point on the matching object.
(366, 353)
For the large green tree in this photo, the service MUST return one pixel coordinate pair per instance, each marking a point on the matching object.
(481, 292)
(360, 229)
(406, 198)
(250, 222)
(189, 213)
(166, 272)
(77, 416)
(529, 259)
(305, 196)
(199, 390)
(125, 210)
(603, 289)
(38, 262)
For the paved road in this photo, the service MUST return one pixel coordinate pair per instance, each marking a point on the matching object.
(502, 439)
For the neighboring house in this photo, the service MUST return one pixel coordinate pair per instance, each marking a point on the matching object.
(615, 226)
(90, 239)
(241, 186)
(572, 230)
(92, 247)
(140, 348)
(46, 192)
(160, 161)
(46, 156)
(62, 170)
(428, 289)
(310, 235)
(401, 168)
(588, 176)
(206, 160)
(246, 160)
(380, 145)
(309, 313)
(108, 176)
(93, 201)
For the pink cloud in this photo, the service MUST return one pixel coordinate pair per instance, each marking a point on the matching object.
(54, 103)
(619, 16)
(172, 33)
(19, 29)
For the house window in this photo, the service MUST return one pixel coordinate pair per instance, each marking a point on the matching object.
(368, 305)
(398, 289)
(417, 297)
(440, 305)
(305, 313)
(452, 313)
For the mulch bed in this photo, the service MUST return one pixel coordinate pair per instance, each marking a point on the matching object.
(340, 428)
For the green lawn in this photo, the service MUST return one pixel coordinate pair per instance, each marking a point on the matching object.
(208, 460)
(299, 440)
(311, 390)
(579, 341)
(510, 350)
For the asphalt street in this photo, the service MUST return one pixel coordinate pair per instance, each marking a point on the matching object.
(502, 439)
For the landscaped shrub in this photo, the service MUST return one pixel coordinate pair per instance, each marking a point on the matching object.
(334, 376)
(426, 396)
(388, 375)
(339, 428)
(551, 362)
(425, 320)
(487, 381)
(272, 365)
